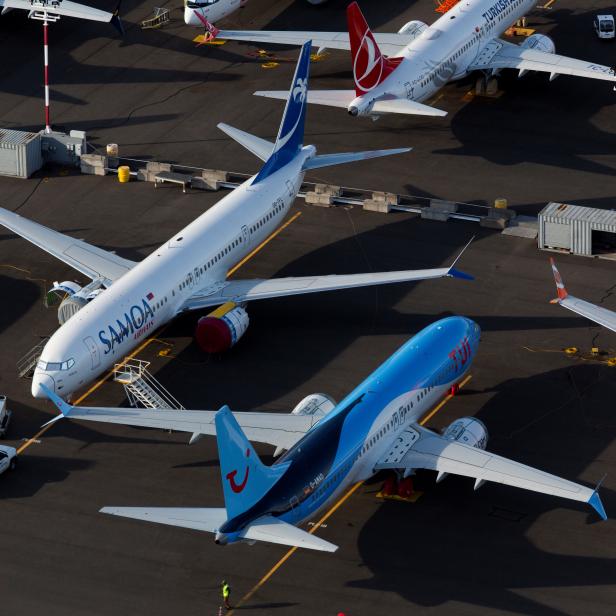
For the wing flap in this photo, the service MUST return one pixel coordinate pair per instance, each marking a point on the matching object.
(432, 451)
(89, 260)
(203, 519)
(274, 530)
(508, 55)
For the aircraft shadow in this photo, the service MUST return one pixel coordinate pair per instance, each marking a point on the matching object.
(476, 547)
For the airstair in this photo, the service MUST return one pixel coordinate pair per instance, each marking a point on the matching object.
(141, 388)
(160, 18)
(27, 364)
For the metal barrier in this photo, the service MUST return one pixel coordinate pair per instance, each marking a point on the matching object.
(160, 18)
(27, 364)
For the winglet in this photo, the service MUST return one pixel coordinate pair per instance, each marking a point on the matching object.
(595, 501)
(64, 407)
(116, 22)
(452, 272)
(560, 285)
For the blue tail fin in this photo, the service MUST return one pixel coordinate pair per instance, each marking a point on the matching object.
(245, 479)
(291, 134)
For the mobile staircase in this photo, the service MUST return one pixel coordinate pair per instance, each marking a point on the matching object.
(27, 364)
(141, 388)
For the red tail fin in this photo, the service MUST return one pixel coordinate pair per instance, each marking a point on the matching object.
(370, 66)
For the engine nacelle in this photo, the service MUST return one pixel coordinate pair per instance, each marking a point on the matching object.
(221, 329)
(540, 42)
(317, 405)
(467, 430)
(413, 28)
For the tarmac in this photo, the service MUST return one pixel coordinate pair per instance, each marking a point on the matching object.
(455, 551)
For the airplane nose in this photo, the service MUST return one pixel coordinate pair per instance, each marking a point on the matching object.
(37, 380)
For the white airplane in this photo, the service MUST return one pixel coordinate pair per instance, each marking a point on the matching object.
(126, 301)
(64, 8)
(331, 446)
(599, 315)
(394, 73)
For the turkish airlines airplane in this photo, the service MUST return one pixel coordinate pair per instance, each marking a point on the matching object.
(331, 446)
(64, 8)
(599, 315)
(126, 301)
(394, 73)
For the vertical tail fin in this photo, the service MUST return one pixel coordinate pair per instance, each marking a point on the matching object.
(290, 137)
(245, 479)
(560, 285)
(370, 66)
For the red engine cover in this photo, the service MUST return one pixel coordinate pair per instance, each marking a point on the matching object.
(213, 335)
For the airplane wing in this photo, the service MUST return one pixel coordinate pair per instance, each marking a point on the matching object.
(65, 8)
(390, 44)
(422, 448)
(89, 260)
(279, 429)
(501, 54)
(602, 316)
(343, 98)
(239, 291)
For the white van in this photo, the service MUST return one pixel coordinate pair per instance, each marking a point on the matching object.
(604, 26)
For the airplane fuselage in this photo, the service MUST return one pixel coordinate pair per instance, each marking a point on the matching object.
(152, 293)
(211, 10)
(445, 50)
(344, 447)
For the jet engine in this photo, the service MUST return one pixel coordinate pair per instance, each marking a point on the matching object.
(72, 296)
(540, 42)
(413, 28)
(315, 404)
(360, 106)
(222, 328)
(467, 430)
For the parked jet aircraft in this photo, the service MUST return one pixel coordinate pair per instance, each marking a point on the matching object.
(394, 73)
(64, 8)
(126, 301)
(331, 446)
(603, 316)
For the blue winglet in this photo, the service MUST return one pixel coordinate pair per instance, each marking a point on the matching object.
(290, 138)
(595, 502)
(64, 407)
(455, 273)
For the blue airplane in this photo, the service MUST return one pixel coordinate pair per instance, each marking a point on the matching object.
(328, 446)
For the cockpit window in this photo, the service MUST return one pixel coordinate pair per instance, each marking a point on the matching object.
(197, 5)
(53, 366)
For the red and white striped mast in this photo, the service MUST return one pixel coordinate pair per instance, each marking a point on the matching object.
(40, 11)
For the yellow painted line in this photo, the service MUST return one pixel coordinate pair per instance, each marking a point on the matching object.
(331, 511)
(250, 255)
(547, 5)
(442, 403)
(145, 343)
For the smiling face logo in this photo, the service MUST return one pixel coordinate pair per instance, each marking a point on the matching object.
(237, 488)
(367, 64)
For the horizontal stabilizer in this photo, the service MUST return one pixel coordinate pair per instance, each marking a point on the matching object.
(65, 8)
(261, 148)
(328, 160)
(203, 519)
(274, 530)
(405, 106)
(331, 98)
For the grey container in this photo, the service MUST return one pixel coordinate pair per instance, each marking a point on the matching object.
(20, 153)
(584, 231)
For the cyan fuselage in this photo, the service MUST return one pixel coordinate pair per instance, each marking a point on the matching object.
(344, 447)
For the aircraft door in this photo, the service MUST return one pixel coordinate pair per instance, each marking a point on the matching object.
(246, 235)
(294, 507)
(93, 350)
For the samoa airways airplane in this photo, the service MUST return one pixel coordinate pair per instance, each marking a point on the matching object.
(394, 73)
(103, 321)
(599, 315)
(331, 446)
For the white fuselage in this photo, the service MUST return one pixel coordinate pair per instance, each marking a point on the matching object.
(154, 291)
(211, 10)
(445, 50)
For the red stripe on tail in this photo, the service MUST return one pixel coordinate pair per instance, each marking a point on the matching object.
(370, 66)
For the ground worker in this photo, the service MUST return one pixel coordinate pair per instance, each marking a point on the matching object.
(226, 592)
